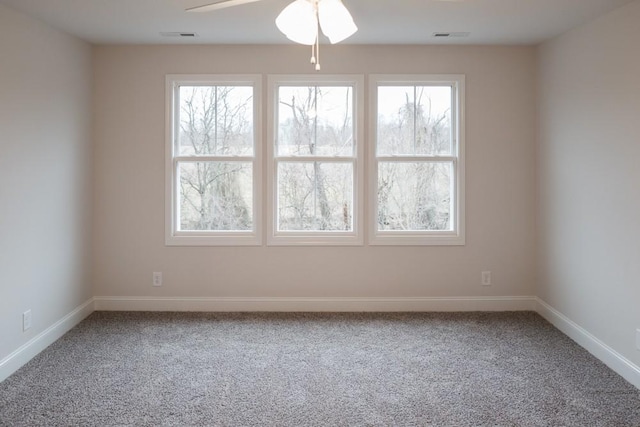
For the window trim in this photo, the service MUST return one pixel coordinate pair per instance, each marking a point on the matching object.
(211, 238)
(419, 238)
(316, 238)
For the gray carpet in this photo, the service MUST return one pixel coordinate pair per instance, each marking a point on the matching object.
(401, 369)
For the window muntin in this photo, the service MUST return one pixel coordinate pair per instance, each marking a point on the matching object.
(315, 161)
(417, 159)
(213, 160)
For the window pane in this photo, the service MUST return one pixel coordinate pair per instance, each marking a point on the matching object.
(216, 120)
(315, 120)
(314, 196)
(216, 196)
(414, 120)
(414, 196)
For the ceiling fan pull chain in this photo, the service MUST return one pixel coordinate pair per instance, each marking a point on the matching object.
(318, 51)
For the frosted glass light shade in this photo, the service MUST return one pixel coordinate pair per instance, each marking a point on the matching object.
(299, 22)
(335, 20)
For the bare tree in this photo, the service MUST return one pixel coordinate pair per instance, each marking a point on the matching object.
(215, 121)
(415, 195)
(316, 183)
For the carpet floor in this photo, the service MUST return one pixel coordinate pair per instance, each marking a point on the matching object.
(321, 369)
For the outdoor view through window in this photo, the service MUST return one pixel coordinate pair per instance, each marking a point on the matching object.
(315, 154)
(413, 146)
(215, 147)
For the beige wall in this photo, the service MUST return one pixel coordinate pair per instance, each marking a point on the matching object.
(45, 176)
(129, 108)
(589, 178)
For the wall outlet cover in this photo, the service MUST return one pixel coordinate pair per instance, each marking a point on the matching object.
(486, 278)
(26, 320)
(157, 278)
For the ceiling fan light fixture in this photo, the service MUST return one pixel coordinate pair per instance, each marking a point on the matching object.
(299, 22)
(302, 20)
(335, 20)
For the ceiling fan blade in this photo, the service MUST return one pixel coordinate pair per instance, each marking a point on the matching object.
(220, 4)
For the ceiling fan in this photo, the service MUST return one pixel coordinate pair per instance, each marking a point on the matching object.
(302, 20)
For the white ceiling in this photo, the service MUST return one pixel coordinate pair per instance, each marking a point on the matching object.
(379, 21)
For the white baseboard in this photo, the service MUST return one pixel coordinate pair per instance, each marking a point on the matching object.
(593, 345)
(30, 349)
(584, 338)
(518, 303)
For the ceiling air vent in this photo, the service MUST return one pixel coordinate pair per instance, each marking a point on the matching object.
(449, 34)
(177, 34)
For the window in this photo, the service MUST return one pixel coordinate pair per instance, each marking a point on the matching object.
(213, 160)
(315, 160)
(417, 162)
(315, 164)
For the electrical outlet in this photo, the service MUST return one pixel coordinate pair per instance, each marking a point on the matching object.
(638, 339)
(26, 320)
(486, 278)
(157, 278)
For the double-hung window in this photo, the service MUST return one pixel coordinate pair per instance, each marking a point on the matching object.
(213, 160)
(417, 161)
(315, 163)
(315, 160)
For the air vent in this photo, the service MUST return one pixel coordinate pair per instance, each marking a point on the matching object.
(455, 34)
(177, 34)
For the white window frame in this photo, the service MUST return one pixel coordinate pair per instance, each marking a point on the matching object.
(420, 238)
(316, 238)
(174, 237)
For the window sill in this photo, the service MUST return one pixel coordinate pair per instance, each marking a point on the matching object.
(431, 239)
(202, 240)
